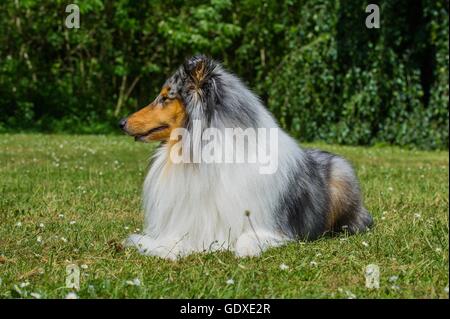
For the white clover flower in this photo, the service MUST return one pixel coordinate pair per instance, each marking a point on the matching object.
(390, 188)
(84, 266)
(365, 244)
(350, 295)
(64, 239)
(417, 216)
(35, 295)
(313, 263)
(72, 222)
(284, 267)
(24, 284)
(39, 239)
(71, 295)
(126, 227)
(41, 225)
(134, 282)
(19, 224)
(393, 278)
(230, 282)
(61, 215)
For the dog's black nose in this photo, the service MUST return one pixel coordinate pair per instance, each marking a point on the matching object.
(122, 123)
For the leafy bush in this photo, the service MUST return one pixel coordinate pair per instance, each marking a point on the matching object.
(321, 71)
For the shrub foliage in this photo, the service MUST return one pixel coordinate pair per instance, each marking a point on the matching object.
(319, 69)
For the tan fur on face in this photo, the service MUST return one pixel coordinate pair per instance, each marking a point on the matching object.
(171, 112)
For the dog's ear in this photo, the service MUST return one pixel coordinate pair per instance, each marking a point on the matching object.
(198, 68)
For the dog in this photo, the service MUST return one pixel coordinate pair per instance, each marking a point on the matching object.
(202, 206)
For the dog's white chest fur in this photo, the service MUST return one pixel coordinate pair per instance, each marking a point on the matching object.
(193, 208)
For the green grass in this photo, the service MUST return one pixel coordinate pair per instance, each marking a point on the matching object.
(96, 182)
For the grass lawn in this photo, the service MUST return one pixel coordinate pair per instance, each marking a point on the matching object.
(71, 199)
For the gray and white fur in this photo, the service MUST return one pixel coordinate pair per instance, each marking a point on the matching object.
(202, 207)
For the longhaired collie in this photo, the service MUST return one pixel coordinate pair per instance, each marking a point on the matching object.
(226, 177)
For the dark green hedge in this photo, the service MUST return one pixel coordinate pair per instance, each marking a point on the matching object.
(323, 74)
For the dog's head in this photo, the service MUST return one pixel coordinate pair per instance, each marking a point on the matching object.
(169, 110)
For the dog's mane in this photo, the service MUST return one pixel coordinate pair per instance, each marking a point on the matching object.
(215, 96)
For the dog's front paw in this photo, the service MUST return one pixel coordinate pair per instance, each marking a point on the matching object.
(140, 242)
(151, 247)
(253, 243)
(166, 252)
(247, 246)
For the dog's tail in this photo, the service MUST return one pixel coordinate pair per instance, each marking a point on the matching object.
(362, 222)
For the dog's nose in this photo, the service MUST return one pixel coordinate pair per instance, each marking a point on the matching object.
(123, 123)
